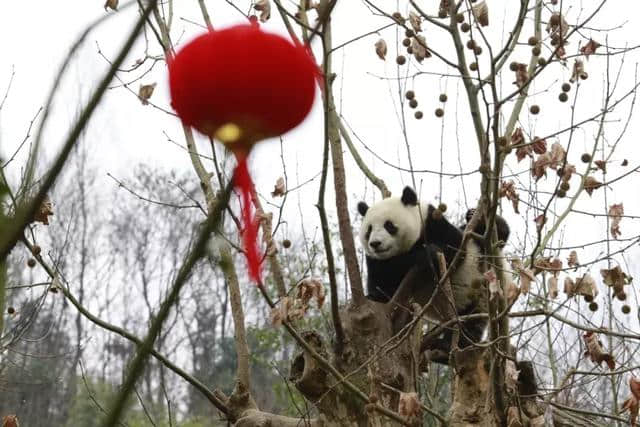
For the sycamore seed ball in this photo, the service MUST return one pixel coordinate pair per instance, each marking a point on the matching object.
(31, 263)
(439, 112)
(563, 97)
(477, 50)
(418, 115)
(460, 17)
(410, 50)
(565, 186)
(586, 158)
(413, 103)
(535, 109)
(442, 207)
(561, 193)
(566, 87)
(400, 60)
(443, 97)
(406, 42)
(536, 51)
(410, 94)
(532, 41)
(588, 298)
(409, 33)
(442, 14)
(513, 66)
(471, 44)
(626, 309)
(542, 62)
(286, 243)
(473, 66)
(593, 306)
(11, 310)
(465, 27)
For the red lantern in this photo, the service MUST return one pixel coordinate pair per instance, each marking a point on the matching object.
(241, 85)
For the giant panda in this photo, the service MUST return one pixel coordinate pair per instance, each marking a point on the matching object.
(399, 234)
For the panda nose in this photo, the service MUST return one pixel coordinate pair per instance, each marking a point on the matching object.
(375, 244)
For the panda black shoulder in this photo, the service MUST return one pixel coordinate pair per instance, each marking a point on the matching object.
(440, 232)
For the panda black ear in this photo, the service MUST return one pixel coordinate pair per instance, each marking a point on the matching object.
(363, 208)
(409, 197)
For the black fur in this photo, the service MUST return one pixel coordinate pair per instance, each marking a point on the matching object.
(501, 227)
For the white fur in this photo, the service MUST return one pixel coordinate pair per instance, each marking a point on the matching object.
(408, 219)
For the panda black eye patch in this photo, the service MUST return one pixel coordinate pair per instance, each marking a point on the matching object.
(390, 227)
(368, 232)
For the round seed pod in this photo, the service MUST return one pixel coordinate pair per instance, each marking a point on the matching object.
(418, 115)
(513, 66)
(442, 207)
(477, 50)
(586, 158)
(460, 17)
(566, 87)
(626, 309)
(443, 97)
(542, 62)
(409, 32)
(31, 262)
(410, 94)
(534, 109)
(286, 243)
(400, 60)
(473, 66)
(406, 42)
(413, 103)
(565, 186)
(442, 14)
(11, 310)
(561, 193)
(439, 112)
(410, 50)
(563, 97)
(471, 44)
(532, 41)
(465, 27)
(588, 298)
(536, 51)
(593, 306)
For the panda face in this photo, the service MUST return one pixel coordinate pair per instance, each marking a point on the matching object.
(390, 227)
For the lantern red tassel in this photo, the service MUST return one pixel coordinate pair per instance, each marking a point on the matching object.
(242, 181)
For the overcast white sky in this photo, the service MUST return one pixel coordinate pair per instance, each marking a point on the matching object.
(124, 133)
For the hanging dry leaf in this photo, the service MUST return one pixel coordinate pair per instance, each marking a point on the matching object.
(540, 165)
(567, 171)
(517, 137)
(522, 76)
(526, 277)
(409, 405)
(381, 49)
(513, 417)
(578, 71)
(42, 214)
(511, 373)
(557, 155)
(540, 221)
(524, 151)
(415, 21)
(481, 13)
(631, 404)
(279, 188)
(615, 213)
(557, 25)
(145, 92)
(601, 164)
(569, 287)
(539, 145)
(590, 48)
(419, 47)
(615, 278)
(590, 184)
(553, 287)
(595, 351)
(111, 4)
(10, 421)
(586, 286)
(572, 261)
(280, 313)
(264, 7)
(508, 190)
(309, 288)
(491, 278)
(513, 292)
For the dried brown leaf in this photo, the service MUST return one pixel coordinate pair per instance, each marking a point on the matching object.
(145, 92)
(381, 49)
(540, 165)
(586, 286)
(522, 76)
(540, 221)
(279, 189)
(553, 287)
(557, 155)
(419, 46)
(481, 13)
(572, 261)
(43, 213)
(444, 7)
(590, 48)
(539, 145)
(595, 351)
(513, 292)
(615, 278)
(590, 184)
(111, 4)
(526, 277)
(615, 213)
(10, 421)
(567, 171)
(264, 7)
(578, 71)
(601, 164)
(409, 405)
(508, 190)
(415, 21)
